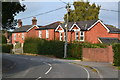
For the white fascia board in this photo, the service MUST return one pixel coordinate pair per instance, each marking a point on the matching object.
(99, 40)
(101, 23)
(32, 27)
(73, 26)
(58, 28)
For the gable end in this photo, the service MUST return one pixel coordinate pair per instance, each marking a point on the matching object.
(100, 23)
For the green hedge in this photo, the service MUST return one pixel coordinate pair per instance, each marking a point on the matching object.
(6, 48)
(44, 47)
(56, 48)
(116, 49)
(4, 40)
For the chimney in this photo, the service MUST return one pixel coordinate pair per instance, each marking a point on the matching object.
(19, 22)
(34, 21)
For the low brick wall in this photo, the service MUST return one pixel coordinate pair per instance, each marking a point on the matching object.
(98, 54)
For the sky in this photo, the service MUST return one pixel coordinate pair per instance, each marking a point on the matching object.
(34, 7)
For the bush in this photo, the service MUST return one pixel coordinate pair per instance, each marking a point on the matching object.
(116, 49)
(7, 48)
(4, 40)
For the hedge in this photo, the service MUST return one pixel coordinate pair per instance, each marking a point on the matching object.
(6, 48)
(44, 47)
(116, 49)
(4, 40)
(56, 48)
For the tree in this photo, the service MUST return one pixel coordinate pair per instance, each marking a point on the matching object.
(83, 11)
(9, 11)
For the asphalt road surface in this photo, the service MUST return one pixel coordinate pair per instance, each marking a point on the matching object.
(43, 67)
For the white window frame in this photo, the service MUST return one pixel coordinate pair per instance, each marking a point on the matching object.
(23, 36)
(15, 36)
(40, 34)
(82, 35)
(64, 36)
(47, 34)
(76, 36)
(61, 36)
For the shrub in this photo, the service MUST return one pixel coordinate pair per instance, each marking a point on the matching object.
(116, 49)
(7, 48)
(4, 40)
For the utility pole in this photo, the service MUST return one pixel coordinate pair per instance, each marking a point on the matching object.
(66, 31)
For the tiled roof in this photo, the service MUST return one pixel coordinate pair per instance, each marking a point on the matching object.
(113, 29)
(83, 25)
(106, 40)
(50, 26)
(23, 28)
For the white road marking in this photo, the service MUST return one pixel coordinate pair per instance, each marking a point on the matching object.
(38, 78)
(87, 72)
(50, 65)
(48, 70)
(98, 72)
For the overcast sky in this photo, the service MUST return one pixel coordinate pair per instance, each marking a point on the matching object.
(36, 7)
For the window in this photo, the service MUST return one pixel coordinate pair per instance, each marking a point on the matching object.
(76, 36)
(64, 36)
(81, 36)
(61, 36)
(23, 36)
(40, 34)
(47, 34)
(14, 36)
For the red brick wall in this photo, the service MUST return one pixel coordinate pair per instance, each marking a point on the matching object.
(98, 54)
(51, 34)
(98, 31)
(18, 37)
(32, 33)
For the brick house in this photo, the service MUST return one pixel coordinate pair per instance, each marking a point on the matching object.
(22, 32)
(93, 31)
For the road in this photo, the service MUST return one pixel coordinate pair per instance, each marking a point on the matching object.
(43, 67)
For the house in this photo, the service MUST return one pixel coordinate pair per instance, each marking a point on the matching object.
(48, 32)
(22, 32)
(93, 31)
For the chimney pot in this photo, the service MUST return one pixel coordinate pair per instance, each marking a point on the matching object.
(34, 21)
(19, 22)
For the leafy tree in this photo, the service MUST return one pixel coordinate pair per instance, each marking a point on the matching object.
(9, 11)
(83, 11)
